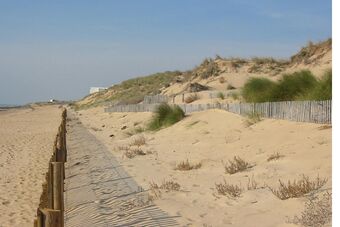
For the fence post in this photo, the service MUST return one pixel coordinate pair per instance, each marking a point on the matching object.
(58, 186)
(52, 218)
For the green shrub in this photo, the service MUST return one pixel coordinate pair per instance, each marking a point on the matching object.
(165, 116)
(258, 90)
(300, 85)
(322, 90)
(293, 85)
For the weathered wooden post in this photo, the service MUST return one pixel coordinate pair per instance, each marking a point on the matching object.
(52, 218)
(58, 187)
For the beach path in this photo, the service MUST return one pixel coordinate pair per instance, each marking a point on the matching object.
(98, 192)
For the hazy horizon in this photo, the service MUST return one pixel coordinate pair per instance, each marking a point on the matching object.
(60, 49)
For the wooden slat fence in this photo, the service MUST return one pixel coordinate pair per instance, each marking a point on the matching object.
(153, 99)
(50, 212)
(301, 111)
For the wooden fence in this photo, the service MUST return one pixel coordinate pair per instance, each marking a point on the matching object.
(50, 212)
(301, 111)
(153, 99)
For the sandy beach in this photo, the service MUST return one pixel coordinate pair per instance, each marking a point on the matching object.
(26, 141)
(212, 138)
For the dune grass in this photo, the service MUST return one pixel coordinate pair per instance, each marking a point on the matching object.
(186, 165)
(236, 165)
(301, 85)
(298, 188)
(227, 189)
(164, 116)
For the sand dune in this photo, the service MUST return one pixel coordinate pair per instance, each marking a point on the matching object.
(26, 141)
(212, 138)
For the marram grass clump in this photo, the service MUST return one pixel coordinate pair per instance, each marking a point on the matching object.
(165, 115)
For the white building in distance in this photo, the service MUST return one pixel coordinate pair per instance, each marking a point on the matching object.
(97, 89)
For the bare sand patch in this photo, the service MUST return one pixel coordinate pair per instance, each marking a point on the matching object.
(26, 142)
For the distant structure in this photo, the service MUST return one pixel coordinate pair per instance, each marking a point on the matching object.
(97, 89)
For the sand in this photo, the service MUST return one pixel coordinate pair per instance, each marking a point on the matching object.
(26, 141)
(98, 191)
(212, 138)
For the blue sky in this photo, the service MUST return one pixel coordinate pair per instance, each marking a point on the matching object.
(58, 49)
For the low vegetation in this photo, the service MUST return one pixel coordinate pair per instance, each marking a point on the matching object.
(236, 165)
(166, 186)
(298, 188)
(301, 85)
(228, 189)
(131, 153)
(230, 87)
(317, 211)
(191, 98)
(165, 115)
(234, 95)
(253, 118)
(274, 156)
(186, 165)
(220, 95)
(139, 141)
(207, 69)
(130, 91)
(252, 184)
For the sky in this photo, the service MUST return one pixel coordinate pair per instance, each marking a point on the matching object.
(59, 49)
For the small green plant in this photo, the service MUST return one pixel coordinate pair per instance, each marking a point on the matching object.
(228, 189)
(298, 188)
(236, 165)
(220, 95)
(185, 166)
(165, 115)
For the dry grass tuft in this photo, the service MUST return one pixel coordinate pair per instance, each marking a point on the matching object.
(323, 127)
(236, 165)
(317, 212)
(274, 156)
(228, 189)
(252, 184)
(139, 141)
(123, 148)
(134, 152)
(185, 166)
(252, 118)
(191, 98)
(298, 188)
(167, 186)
